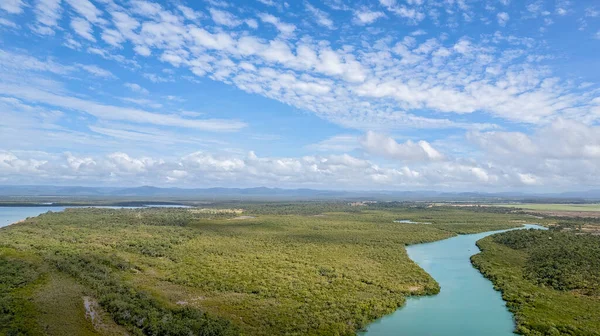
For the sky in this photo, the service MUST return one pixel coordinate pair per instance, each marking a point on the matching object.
(454, 95)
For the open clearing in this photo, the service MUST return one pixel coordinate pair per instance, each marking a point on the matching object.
(554, 207)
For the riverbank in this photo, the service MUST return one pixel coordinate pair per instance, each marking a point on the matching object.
(549, 280)
(467, 303)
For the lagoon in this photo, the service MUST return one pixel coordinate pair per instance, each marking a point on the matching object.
(467, 304)
(10, 215)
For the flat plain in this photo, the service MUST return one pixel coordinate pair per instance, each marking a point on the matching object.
(297, 269)
(594, 207)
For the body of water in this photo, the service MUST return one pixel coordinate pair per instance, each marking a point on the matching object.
(9, 215)
(467, 304)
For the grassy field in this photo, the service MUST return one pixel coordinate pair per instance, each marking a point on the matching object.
(295, 269)
(552, 207)
(550, 280)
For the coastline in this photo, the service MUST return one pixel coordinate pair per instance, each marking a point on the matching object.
(16, 215)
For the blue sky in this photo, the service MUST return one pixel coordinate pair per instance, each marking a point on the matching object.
(335, 94)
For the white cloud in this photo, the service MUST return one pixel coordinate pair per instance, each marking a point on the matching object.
(142, 50)
(337, 143)
(47, 13)
(592, 12)
(365, 16)
(561, 140)
(12, 6)
(209, 169)
(224, 18)
(136, 88)
(320, 17)
(382, 145)
(112, 37)
(284, 28)
(367, 82)
(7, 23)
(251, 23)
(268, 2)
(413, 15)
(503, 18)
(96, 70)
(15, 61)
(189, 13)
(83, 28)
(143, 102)
(111, 112)
(86, 9)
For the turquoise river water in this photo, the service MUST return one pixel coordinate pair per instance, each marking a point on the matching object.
(467, 304)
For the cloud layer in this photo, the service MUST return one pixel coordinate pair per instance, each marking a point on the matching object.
(412, 93)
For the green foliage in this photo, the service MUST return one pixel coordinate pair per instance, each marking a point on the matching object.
(550, 280)
(137, 310)
(299, 208)
(560, 260)
(295, 269)
(15, 275)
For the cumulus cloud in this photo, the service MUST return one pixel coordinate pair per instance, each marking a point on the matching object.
(378, 144)
(563, 153)
(561, 140)
(208, 169)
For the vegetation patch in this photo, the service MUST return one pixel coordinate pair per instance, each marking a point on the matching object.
(550, 280)
(181, 272)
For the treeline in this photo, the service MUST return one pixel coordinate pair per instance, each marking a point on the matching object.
(560, 260)
(145, 216)
(548, 279)
(300, 208)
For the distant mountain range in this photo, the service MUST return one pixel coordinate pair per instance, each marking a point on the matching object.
(278, 193)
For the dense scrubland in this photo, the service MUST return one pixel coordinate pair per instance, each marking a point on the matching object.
(309, 268)
(550, 279)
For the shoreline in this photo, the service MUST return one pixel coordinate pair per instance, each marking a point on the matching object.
(367, 331)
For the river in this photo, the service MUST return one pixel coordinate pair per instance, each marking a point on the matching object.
(467, 304)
